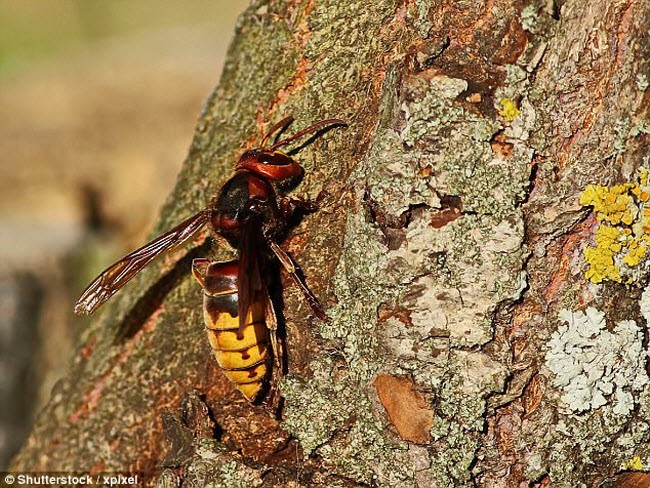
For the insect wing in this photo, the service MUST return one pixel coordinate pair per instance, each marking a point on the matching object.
(119, 274)
(249, 275)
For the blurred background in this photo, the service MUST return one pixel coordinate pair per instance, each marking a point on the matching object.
(98, 103)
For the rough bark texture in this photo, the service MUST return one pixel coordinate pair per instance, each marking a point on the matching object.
(451, 240)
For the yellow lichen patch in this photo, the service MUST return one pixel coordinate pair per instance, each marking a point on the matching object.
(635, 256)
(634, 464)
(623, 236)
(508, 110)
(601, 265)
(613, 205)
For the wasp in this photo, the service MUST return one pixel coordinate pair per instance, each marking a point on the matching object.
(252, 214)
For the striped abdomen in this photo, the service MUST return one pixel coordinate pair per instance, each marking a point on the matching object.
(244, 354)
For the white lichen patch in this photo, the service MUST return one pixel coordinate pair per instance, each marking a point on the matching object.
(595, 367)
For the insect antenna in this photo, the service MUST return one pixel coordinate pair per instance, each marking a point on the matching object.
(281, 126)
(312, 128)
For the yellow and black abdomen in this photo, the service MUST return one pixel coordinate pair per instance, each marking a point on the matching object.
(243, 355)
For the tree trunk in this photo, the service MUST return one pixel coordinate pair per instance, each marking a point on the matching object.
(451, 239)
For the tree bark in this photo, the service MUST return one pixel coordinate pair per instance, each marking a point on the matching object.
(450, 240)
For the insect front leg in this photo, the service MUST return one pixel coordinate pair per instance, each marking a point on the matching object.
(292, 208)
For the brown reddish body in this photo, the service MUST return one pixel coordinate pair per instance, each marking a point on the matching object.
(253, 217)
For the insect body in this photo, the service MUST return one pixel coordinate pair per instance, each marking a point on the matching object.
(242, 353)
(251, 216)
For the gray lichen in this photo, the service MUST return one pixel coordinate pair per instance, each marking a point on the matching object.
(461, 394)
(529, 17)
(472, 263)
(419, 13)
(332, 417)
(214, 467)
(585, 440)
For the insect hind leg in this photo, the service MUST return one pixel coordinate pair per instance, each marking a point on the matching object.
(271, 319)
(272, 324)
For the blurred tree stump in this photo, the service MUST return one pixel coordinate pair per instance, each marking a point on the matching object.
(450, 241)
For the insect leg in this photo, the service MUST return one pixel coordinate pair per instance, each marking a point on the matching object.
(199, 270)
(272, 325)
(292, 207)
(290, 267)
